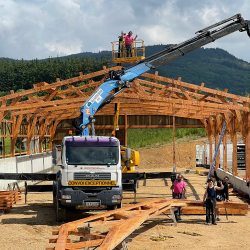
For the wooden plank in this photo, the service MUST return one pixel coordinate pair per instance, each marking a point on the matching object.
(128, 219)
(55, 240)
(235, 172)
(62, 238)
(91, 243)
(247, 155)
(202, 211)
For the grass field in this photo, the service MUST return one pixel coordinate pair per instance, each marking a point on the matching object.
(145, 138)
(141, 138)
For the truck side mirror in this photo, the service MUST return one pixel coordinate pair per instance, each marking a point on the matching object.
(54, 155)
(128, 153)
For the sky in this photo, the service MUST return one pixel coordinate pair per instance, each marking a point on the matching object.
(40, 29)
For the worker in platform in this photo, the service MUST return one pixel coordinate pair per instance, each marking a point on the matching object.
(221, 195)
(128, 43)
(209, 200)
(179, 192)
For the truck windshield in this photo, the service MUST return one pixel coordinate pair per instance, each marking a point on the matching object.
(92, 155)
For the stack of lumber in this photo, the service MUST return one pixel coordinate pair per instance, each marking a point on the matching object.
(8, 199)
(197, 207)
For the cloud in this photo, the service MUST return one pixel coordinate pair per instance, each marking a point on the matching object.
(43, 28)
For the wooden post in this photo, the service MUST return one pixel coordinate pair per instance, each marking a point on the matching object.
(31, 131)
(174, 163)
(225, 151)
(52, 132)
(235, 173)
(13, 139)
(51, 137)
(247, 156)
(126, 130)
(41, 127)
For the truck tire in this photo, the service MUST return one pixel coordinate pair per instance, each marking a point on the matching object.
(111, 207)
(61, 212)
(119, 205)
(54, 194)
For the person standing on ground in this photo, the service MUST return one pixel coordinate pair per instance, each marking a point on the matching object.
(221, 195)
(128, 43)
(179, 191)
(210, 197)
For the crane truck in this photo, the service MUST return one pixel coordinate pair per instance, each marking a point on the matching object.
(91, 171)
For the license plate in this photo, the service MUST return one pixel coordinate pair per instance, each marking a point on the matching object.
(92, 183)
(92, 204)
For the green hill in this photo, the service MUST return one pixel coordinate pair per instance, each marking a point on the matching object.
(215, 67)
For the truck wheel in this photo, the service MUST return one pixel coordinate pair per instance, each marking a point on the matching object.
(61, 212)
(112, 207)
(54, 194)
(119, 205)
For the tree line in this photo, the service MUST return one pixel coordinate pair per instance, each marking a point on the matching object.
(20, 74)
(215, 67)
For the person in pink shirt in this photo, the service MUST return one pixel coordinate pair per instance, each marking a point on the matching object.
(179, 192)
(128, 43)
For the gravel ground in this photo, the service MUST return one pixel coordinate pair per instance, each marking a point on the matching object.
(29, 226)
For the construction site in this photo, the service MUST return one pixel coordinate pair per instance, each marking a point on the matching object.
(125, 201)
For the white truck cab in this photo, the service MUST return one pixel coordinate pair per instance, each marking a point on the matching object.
(90, 173)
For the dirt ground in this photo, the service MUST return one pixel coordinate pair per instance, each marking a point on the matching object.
(29, 226)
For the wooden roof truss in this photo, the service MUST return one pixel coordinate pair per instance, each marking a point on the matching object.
(115, 226)
(39, 110)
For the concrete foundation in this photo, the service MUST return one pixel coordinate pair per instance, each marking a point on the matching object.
(237, 182)
(35, 163)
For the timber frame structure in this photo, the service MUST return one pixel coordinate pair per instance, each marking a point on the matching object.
(38, 111)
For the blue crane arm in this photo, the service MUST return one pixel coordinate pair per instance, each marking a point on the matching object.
(102, 95)
(121, 79)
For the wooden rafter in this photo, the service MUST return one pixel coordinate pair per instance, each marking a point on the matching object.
(122, 222)
(159, 96)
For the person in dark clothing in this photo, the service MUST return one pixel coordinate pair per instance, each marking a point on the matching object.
(210, 197)
(221, 195)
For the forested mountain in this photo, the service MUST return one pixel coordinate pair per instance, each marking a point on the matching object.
(215, 67)
(20, 74)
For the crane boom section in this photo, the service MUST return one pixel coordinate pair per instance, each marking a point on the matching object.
(121, 79)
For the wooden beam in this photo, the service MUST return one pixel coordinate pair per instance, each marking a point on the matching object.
(235, 172)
